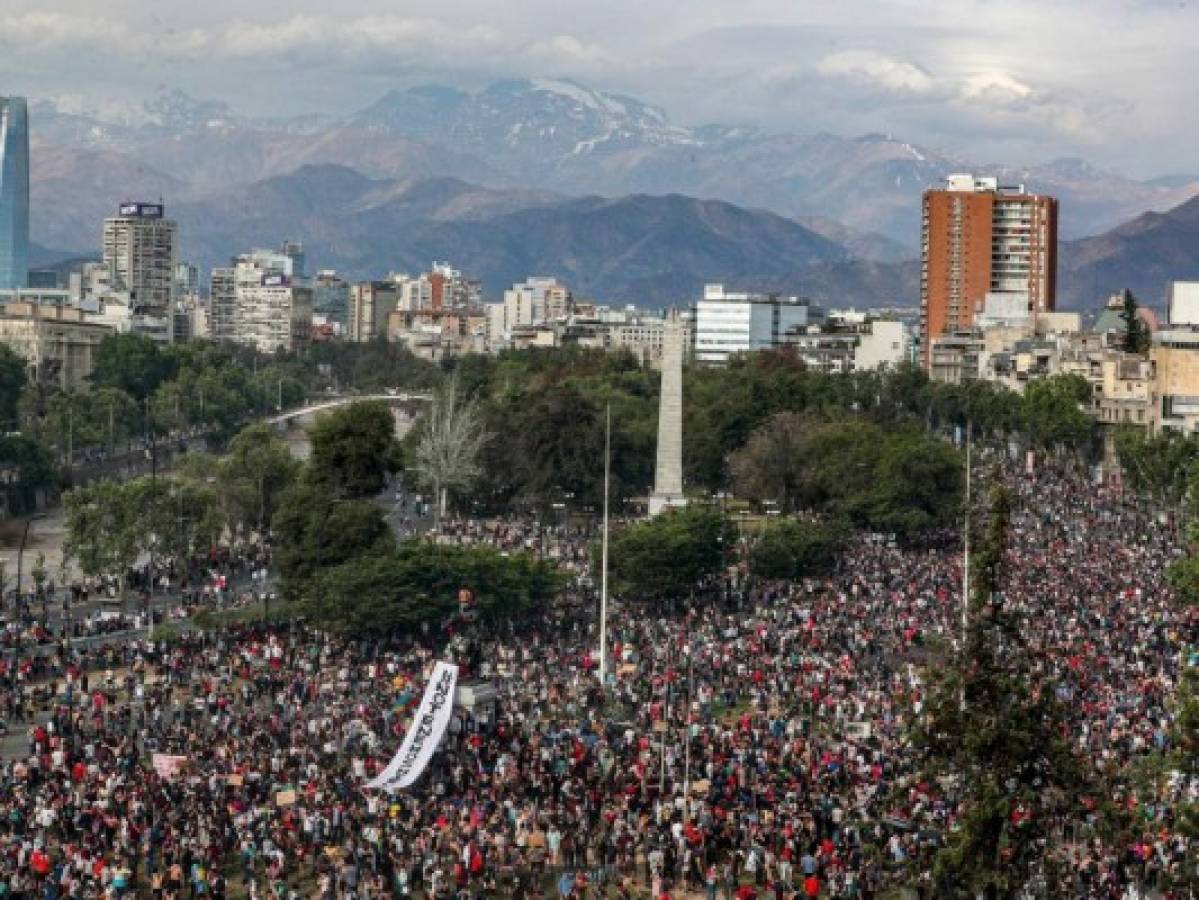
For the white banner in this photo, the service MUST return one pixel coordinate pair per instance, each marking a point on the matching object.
(424, 735)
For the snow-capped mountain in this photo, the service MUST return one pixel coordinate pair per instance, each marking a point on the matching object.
(571, 139)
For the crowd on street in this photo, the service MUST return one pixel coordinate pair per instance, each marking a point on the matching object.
(753, 746)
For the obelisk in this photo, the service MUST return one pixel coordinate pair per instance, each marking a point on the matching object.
(668, 474)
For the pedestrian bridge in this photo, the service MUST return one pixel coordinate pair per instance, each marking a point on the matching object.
(305, 413)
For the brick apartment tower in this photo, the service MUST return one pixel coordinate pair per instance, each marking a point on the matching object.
(981, 238)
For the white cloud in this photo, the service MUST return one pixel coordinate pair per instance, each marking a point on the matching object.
(877, 70)
(41, 30)
(996, 87)
(565, 49)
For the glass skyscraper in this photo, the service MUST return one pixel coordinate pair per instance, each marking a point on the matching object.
(14, 193)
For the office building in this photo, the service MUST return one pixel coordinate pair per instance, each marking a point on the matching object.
(981, 238)
(140, 253)
(727, 323)
(370, 304)
(330, 297)
(14, 193)
(222, 302)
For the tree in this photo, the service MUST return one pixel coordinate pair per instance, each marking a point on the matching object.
(180, 517)
(772, 464)
(32, 470)
(315, 531)
(132, 363)
(354, 449)
(105, 528)
(1054, 415)
(418, 583)
(12, 383)
(1163, 466)
(669, 556)
(1136, 332)
(899, 480)
(794, 548)
(451, 439)
(996, 732)
(916, 486)
(258, 468)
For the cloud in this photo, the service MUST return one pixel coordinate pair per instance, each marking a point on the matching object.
(565, 49)
(996, 87)
(41, 30)
(877, 70)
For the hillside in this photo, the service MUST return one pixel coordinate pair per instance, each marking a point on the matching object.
(1144, 255)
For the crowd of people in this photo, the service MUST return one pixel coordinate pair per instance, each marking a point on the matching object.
(753, 746)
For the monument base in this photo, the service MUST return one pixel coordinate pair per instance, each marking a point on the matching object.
(659, 503)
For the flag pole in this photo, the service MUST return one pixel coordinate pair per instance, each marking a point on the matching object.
(603, 628)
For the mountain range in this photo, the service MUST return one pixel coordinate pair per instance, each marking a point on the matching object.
(550, 176)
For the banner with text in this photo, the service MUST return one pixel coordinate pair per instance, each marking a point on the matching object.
(425, 734)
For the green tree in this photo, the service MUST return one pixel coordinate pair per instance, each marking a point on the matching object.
(12, 383)
(32, 471)
(669, 556)
(997, 734)
(182, 518)
(1136, 332)
(258, 468)
(132, 363)
(1054, 415)
(916, 486)
(106, 527)
(418, 583)
(354, 449)
(795, 548)
(1163, 466)
(314, 531)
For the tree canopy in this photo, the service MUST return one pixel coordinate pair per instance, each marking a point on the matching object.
(354, 449)
(670, 555)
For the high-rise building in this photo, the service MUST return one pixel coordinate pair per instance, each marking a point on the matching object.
(981, 238)
(259, 301)
(370, 304)
(14, 193)
(140, 253)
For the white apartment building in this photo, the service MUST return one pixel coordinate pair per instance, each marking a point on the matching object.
(140, 255)
(534, 301)
(259, 301)
(728, 323)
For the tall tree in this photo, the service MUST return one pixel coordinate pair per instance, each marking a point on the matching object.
(258, 468)
(315, 531)
(132, 363)
(106, 528)
(996, 732)
(1136, 332)
(12, 383)
(1055, 416)
(354, 449)
(449, 444)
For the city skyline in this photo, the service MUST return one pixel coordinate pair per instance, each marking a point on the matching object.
(988, 81)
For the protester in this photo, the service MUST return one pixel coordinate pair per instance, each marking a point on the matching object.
(751, 745)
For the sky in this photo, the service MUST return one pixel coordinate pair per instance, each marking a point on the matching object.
(1011, 81)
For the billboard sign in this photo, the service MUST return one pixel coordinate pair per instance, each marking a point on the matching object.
(142, 210)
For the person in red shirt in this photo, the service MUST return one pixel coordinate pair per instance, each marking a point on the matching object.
(811, 886)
